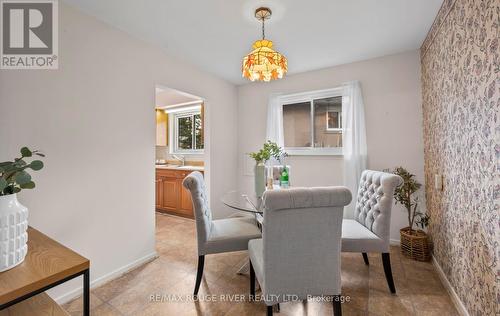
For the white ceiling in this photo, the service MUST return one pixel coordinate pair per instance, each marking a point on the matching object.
(314, 34)
(171, 97)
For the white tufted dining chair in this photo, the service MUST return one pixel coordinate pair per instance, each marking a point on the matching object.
(216, 236)
(369, 231)
(299, 252)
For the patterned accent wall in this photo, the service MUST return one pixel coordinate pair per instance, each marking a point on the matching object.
(461, 100)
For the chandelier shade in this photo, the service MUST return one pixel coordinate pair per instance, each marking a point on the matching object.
(264, 63)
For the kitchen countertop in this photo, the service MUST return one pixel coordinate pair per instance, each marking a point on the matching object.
(177, 167)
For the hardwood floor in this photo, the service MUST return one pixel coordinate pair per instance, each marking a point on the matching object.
(145, 290)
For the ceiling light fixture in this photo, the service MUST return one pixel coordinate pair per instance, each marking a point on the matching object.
(264, 63)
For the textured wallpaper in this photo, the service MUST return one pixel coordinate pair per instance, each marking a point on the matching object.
(461, 96)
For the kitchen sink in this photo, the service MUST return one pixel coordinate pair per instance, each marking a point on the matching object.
(199, 168)
(177, 167)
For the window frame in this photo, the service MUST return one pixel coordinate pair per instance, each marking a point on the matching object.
(174, 132)
(305, 97)
(339, 122)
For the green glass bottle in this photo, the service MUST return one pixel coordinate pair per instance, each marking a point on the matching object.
(284, 178)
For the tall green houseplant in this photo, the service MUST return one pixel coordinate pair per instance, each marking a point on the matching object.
(404, 194)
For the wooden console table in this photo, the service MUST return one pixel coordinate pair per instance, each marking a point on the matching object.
(47, 264)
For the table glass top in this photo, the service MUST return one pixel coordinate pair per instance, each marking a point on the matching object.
(243, 201)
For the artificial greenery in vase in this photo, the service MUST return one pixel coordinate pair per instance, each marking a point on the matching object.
(14, 176)
(404, 194)
(269, 150)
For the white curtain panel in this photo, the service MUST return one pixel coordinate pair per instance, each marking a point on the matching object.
(274, 130)
(354, 140)
(354, 135)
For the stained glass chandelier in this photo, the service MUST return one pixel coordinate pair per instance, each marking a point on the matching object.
(264, 63)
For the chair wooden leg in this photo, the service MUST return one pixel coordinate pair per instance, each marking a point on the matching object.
(386, 261)
(199, 274)
(337, 307)
(270, 310)
(252, 281)
(365, 258)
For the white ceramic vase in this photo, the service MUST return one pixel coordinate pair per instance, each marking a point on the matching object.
(260, 179)
(13, 235)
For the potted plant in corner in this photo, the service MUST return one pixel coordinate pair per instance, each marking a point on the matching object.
(414, 242)
(269, 149)
(14, 177)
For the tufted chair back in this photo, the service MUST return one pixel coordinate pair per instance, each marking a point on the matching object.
(195, 183)
(374, 201)
(296, 258)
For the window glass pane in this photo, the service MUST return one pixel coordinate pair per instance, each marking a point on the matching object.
(185, 132)
(297, 124)
(197, 131)
(334, 120)
(328, 122)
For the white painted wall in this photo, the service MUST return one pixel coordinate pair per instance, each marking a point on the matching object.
(391, 91)
(95, 120)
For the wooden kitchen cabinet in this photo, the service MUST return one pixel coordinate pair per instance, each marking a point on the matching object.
(171, 196)
(186, 204)
(170, 189)
(158, 192)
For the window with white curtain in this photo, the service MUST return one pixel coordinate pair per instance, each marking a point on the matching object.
(312, 122)
(325, 122)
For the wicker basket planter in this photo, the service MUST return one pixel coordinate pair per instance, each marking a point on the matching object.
(415, 245)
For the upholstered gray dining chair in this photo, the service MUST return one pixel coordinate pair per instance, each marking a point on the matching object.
(370, 229)
(216, 236)
(299, 252)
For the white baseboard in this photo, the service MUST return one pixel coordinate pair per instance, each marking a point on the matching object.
(454, 297)
(105, 278)
(395, 242)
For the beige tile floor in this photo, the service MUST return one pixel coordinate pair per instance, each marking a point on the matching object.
(419, 290)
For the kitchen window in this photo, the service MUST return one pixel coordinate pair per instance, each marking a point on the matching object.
(312, 123)
(187, 132)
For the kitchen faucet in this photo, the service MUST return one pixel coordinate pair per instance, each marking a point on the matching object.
(182, 159)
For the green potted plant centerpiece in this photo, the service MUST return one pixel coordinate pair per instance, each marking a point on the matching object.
(414, 242)
(14, 177)
(269, 150)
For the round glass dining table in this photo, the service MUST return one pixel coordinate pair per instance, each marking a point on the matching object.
(243, 201)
